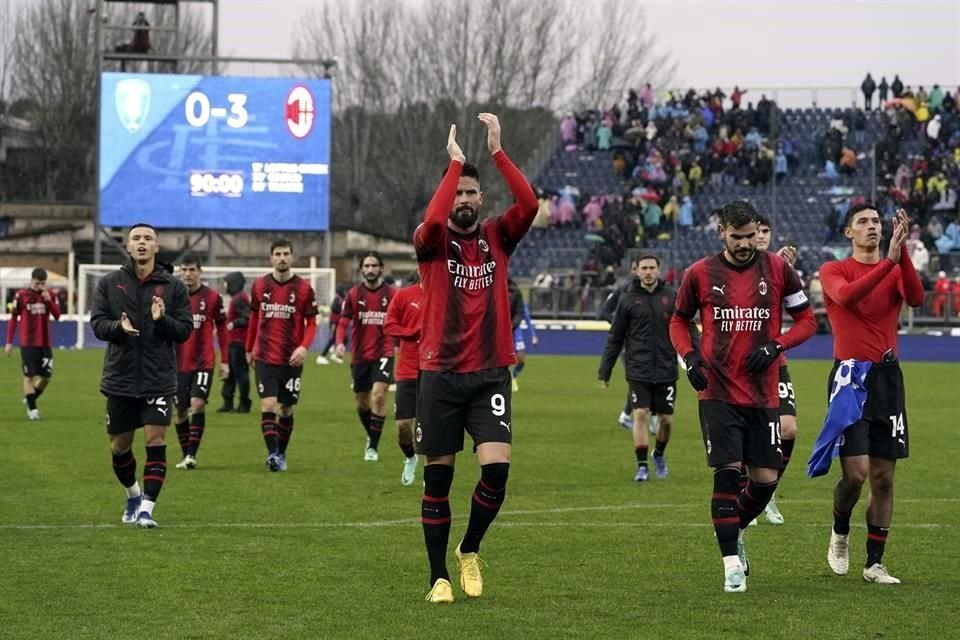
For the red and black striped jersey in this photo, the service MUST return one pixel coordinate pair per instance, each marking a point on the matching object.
(366, 308)
(278, 313)
(197, 353)
(32, 313)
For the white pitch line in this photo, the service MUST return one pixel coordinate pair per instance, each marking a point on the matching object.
(415, 521)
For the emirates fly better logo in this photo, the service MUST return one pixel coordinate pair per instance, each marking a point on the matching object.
(299, 112)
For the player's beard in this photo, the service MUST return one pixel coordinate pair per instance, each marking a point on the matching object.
(371, 277)
(464, 217)
(742, 256)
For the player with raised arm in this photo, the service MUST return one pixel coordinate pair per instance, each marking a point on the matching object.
(195, 360)
(740, 294)
(785, 390)
(404, 317)
(141, 311)
(283, 323)
(466, 349)
(32, 309)
(371, 360)
(864, 295)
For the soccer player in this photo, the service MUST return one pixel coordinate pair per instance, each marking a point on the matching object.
(336, 306)
(371, 362)
(863, 296)
(607, 311)
(238, 319)
(739, 294)
(141, 311)
(195, 360)
(520, 313)
(403, 321)
(283, 322)
(32, 308)
(786, 393)
(466, 349)
(641, 328)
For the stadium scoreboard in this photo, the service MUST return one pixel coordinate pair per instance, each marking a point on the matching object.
(212, 152)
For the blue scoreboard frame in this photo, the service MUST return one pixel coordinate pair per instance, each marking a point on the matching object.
(214, 152)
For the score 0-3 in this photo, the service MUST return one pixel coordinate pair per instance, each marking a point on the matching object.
(198, 111)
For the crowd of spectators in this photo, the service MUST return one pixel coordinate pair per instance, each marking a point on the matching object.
(666, 148)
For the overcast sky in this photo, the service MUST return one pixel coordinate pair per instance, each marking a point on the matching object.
(763, 43)
(756, 44)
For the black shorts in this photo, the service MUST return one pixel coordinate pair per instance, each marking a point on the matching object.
(193, 384)
(405, 400)
(279, 381)
(658, 397)
(450, 403)
(747, 434)
(883, 431)
(365, 374)
(125, 414)
(37, 361)
(788, 399)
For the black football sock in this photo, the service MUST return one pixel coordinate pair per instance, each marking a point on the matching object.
(183, 435)
(435, 517)
(752, 500)
(38, 392)
(659, 448)
(125, 468)
(364, 415)
(488, 497)
(154, 471)
(641, 453)
(723, 508)
(31, 401)
(841, 522)
(407, 448)
(268, 426)
(628, 406)
(517, 368)
(285, 432)
(786, 448)
(876, 540)
(198, 422)
(376, 429)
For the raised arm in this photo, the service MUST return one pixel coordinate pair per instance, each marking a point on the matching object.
(53, 306)
(848, 293)
(910, 286)
(429, 234)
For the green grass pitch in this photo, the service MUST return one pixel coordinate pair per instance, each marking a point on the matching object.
(333, 548)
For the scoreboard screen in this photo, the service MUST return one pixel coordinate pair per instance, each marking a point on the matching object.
(213, 152)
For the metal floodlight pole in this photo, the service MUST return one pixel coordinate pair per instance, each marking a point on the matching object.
(98, 61)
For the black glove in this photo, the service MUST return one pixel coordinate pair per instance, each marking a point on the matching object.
(763, 356)
(695, 370)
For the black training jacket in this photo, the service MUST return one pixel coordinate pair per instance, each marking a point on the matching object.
(641, 327)
(143, 366)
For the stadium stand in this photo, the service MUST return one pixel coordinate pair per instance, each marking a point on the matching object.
(621, 181)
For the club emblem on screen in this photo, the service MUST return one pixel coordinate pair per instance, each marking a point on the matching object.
(132, 98)
(300, 111)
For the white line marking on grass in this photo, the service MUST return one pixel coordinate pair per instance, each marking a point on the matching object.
(519, 512)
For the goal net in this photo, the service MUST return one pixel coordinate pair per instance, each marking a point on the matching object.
(323, 280)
